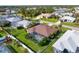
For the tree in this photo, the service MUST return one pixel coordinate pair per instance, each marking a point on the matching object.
(44, 42)
(77, 19)
(23, 12)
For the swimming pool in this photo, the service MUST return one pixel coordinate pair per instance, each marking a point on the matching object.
(4, 49)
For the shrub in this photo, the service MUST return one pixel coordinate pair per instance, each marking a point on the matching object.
(20, 27)
(7, 25)
(44, 42)
(0, 35)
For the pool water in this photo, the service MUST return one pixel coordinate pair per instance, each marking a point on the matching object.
(4, 49)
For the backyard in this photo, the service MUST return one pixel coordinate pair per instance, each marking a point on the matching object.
(14, 45)
(21, 35)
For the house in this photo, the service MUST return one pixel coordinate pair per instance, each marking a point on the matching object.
(13, 19)
(11, 11)
(23, 23)
(3, 21)
(69, 42)
(62, 10)
(58, 11)
(44, 15)
(41, 31)
(2, 11)
(67, 19)
(62, 14)
(67, 14)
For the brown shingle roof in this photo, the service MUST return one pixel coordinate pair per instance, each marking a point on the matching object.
(44, 30)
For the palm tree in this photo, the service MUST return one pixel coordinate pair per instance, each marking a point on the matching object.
(77, 18)
(59, 25)
(23, 12)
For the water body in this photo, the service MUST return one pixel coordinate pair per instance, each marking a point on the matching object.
(4, 49)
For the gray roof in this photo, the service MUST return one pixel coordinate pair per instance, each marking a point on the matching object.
(70, 41)
(23, 23)
(13, 19)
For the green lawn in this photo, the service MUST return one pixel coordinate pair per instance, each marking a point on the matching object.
(21, 34)
(50, 48)
(2, 33)
(71, 24)
(17, 47)
(50, 19)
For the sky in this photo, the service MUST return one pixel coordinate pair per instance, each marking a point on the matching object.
(39, 2)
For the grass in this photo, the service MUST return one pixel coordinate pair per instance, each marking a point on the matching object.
(50, 48)
(11, 46)
(2, 33)
(71, 24)
(21, 34)
(65, 23)
(65, 29)
(11, 49)
(16, 47)
(50, 19)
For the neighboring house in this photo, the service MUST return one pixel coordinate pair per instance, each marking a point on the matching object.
(2, 11)
(59, 12)
(41, 31)
(62, 14)
(23, 23)
(67, 19)
(67, 14)
(44, 15)
(3, 21)
(13, 19)
(68, 43)
(62, 10)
